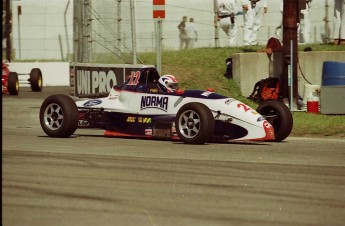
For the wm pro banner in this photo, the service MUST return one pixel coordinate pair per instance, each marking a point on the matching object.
(90, 80)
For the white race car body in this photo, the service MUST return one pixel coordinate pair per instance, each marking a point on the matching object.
(137, 108)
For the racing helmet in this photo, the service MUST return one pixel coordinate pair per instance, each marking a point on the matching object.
(168, 83)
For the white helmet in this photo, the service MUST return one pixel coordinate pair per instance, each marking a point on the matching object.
(168, 83)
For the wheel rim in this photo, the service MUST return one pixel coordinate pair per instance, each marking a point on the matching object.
(53, 116)
(189, 124)
(17, 85)
(39, 82)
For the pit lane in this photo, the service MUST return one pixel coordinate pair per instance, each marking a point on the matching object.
(92, 180)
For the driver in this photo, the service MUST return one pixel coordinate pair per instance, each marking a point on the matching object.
(168, 84)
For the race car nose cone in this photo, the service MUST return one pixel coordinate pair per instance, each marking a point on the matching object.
(269, 130)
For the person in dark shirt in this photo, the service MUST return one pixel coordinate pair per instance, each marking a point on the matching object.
(183, 34)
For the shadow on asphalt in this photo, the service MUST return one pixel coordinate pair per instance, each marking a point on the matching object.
(26, 93)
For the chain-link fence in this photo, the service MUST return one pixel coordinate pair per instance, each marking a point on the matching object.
(100, 30)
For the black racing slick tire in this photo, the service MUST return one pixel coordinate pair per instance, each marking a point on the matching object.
(13, 83)
(36, 80)
(59, 116)
(279, 116)
(194, 123)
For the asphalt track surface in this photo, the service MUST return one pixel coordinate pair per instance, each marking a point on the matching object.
(92, 180)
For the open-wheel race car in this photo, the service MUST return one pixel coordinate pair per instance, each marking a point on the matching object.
(11, 81)
(148, 105)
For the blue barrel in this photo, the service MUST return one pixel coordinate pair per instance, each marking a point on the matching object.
(333, 73)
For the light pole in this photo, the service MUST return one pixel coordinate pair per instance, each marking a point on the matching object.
(291, 11)
(134, 37)
(7, 28)
(66, 31)
(216, 27)
(19, 10)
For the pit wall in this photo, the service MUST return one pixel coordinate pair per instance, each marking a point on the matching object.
(59, 73)
(248, 68)
(54, 73)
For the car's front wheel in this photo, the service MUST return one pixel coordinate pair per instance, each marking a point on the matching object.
(13, 83)
(279, 116)
(59, 116)
(36, 80)
(194, 123)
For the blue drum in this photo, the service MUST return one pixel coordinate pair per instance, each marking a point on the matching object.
(333, 73)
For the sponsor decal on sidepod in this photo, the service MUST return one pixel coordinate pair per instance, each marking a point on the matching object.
(154, 102)
(92, 103)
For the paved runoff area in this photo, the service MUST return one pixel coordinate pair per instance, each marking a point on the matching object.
(89, 179)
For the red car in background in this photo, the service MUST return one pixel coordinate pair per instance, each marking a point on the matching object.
(10, 80)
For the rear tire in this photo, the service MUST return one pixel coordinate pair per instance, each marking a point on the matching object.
(13, 83)
(59, 116)
(194, 123)
(36, 80)
(279, 116)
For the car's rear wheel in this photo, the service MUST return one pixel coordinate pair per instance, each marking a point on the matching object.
(36, 80)
(279, 116)
(194, 123)
(59, 116)
(13, 83)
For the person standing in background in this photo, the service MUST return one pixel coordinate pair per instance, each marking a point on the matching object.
(339, 22)
(182, 31)
(227, 9)
(260, 8)
(248, 21)
(279, 28)
(191, 33)
(304, 24)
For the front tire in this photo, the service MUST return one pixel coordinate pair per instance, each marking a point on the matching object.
(13, 83)
(194, 123)
(36, 80)
(59, 116)
(279, 116)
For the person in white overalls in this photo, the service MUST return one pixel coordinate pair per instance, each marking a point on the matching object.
(248, 21)
(279, 28)
(192, 33)
(227, 10)
(339, 22)
(304, 25)
(260, 8)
